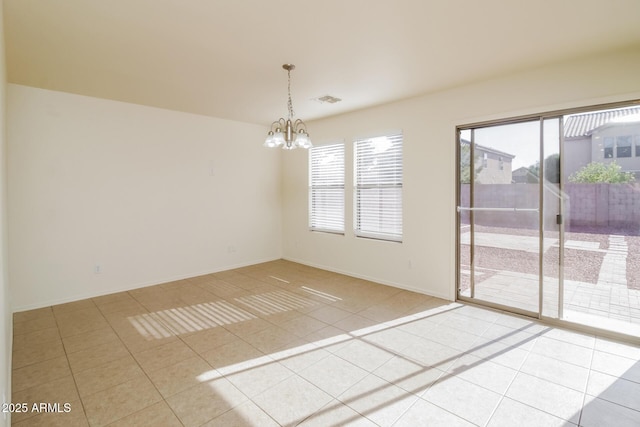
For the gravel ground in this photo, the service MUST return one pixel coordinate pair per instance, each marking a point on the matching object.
(580, 265)
(601, 234)
(604, 230)
(505, 230)
(601, 238)
(506, 259)
(633, 262)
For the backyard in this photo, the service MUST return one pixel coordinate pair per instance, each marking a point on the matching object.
(601, 269)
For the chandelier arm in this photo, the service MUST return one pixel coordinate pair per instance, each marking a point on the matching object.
(280, 123)
(300, 122)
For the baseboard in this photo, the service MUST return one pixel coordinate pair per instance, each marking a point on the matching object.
(369, 278)
(139, 285)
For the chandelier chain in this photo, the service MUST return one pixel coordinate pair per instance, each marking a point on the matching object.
(289, 102)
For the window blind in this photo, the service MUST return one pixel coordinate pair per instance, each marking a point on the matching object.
(378, 187)
(326, 188)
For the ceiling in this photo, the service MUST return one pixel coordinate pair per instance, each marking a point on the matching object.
(223, 58)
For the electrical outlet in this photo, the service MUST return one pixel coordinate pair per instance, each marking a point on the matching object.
(97, 269)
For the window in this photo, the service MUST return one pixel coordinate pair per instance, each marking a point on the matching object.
(623, 146)
(326, 188)
(608, 147)
(485, 160)
(637, 138)
(501, 163)
(378, 187)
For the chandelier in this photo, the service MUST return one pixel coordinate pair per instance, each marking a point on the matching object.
(287, 133)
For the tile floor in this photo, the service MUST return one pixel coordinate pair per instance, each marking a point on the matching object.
(284, 344)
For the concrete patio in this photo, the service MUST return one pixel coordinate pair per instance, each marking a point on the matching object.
(608, 303)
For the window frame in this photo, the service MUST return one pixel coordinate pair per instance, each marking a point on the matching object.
(319, 219)
(386, 182)
(624, 149)
(609, 146)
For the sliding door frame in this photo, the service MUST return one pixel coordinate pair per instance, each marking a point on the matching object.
(472, 127)
(541, 117)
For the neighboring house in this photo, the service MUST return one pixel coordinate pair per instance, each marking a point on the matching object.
(522, 175)
(492, 166)
(605, 136)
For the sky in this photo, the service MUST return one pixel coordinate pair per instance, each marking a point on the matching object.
(519, 139)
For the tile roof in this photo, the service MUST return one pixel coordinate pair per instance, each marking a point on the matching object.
(578, 125)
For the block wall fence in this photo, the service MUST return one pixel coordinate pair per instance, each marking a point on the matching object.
(587, 205)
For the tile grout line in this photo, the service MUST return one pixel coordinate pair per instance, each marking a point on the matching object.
(73, 377)
(164, 400)
(586, 385)
(503, 395)
(130, 353)
(443, 373)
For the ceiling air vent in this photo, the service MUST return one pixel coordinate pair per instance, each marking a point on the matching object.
(328, 99)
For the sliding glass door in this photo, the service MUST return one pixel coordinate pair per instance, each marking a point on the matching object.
(601, 256)
(500, 215)
(548, 216)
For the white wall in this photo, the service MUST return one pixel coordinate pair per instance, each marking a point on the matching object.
(6, 324)
(425, 261)
(149, 195)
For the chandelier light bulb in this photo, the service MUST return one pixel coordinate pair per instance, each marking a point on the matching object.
(278, 138)
(269, 142)
(302, 139)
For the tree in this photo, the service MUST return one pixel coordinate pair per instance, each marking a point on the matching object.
(602, 173)
(533, 173)
(551, 170)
